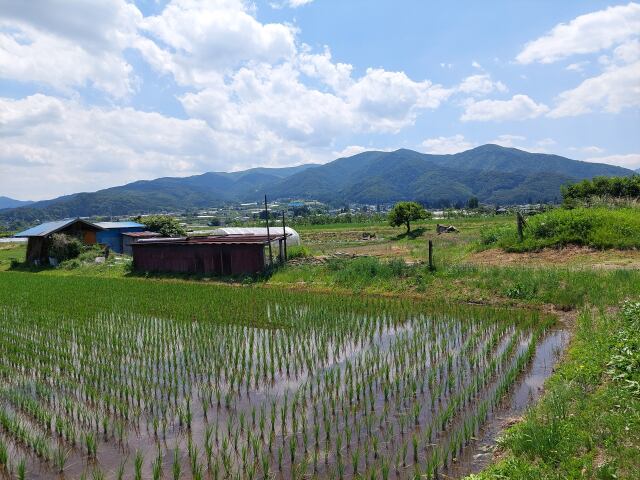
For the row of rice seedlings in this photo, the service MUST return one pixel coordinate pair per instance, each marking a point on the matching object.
(331, 380)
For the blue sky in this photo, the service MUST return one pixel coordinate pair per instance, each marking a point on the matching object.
(102, 92)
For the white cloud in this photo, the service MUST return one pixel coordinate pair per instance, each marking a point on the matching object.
(66, 48)
(254, 95)
(475, 64)
(590, 149)
(628, 52)
(320, 66)
(510, 141)
(519, 107)
(273, 101)
(480, 84)
(588, 33)
(253, 78)
(444, 145)
(199, 41)
(577, 67)
(631, 160)
(612, 91)
(60, 146)
(290, 3)
(351, 150)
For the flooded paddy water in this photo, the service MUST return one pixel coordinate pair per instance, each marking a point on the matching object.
(327, 389)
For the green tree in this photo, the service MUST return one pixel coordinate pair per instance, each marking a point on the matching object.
(165, 225)
(403, 213)
(473, 202)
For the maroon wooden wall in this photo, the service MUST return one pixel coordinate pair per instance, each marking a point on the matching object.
(199, 258)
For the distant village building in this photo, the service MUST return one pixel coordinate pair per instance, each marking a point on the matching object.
(39, 237)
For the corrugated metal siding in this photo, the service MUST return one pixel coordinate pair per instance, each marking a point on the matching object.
(113, 236)
(199, 258)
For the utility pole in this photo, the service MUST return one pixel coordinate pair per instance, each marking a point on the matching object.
(266, 212)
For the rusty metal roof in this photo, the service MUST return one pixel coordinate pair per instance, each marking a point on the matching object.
(217, 240)
(144, 234)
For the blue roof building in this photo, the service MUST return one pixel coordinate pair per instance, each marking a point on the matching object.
(112, 233)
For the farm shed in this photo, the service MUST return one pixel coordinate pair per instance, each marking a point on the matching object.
(39, 237)
(129, 238)
(112, 234)
(222, 255)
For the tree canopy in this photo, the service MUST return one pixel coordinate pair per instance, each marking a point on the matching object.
(403, 213)
(165, 225)
(615, 187)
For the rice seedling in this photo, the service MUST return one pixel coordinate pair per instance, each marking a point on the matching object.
(258, 382)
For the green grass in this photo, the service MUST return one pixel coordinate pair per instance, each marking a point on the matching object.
(588, 423)
(562, 287)
(10, 252)
(600, 228)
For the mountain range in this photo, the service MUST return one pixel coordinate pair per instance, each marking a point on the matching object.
(6, 202)
(492, 173)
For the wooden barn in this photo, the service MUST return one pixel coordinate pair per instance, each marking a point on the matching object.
(222, 255)
(39, 237)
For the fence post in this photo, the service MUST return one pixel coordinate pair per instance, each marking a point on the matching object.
(431, 255)
(520, 221)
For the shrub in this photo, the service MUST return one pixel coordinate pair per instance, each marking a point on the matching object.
(612, 187)
(64, 247)
(298, 251)
(624, 365)
(365, 270)
(165, 225)
(594, 227)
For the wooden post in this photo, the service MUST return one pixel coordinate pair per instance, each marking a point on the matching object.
(431, 255)
(284, 232)
(266, 212)
(520, 221)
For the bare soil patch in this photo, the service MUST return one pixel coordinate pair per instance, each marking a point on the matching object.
(572, 256)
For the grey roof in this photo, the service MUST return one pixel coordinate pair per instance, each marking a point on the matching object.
(115, 225)
(48, 228)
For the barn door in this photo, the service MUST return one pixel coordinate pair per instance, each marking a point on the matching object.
(89, 237)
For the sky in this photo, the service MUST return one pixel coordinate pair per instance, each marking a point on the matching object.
(98, 93)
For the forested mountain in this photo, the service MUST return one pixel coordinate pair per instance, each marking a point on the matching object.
(6, 202)
(491, 173)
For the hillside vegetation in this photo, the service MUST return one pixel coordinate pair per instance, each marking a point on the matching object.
(592, 227)
(603, 189)
(490, 173)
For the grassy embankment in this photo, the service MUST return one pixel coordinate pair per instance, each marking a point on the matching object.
(587, 425)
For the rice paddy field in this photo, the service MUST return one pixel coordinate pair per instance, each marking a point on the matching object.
(123, 378)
